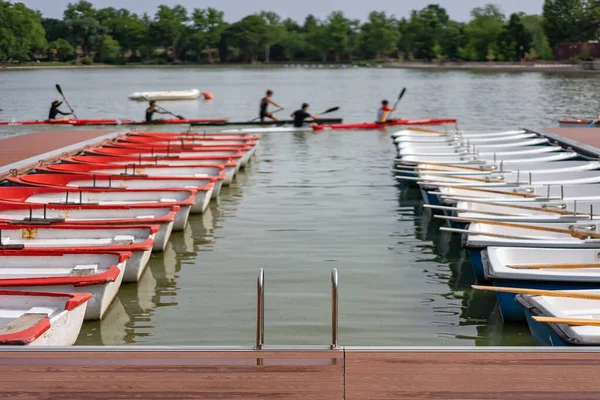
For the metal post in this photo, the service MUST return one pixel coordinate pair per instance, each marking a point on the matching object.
(260, 310)
(334, 309)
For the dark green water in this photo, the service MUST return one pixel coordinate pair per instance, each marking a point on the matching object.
(310, 203)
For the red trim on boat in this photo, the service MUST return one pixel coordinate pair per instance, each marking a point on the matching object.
(109, 275)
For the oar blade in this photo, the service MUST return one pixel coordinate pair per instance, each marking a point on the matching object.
(401, 94)
(333, 109)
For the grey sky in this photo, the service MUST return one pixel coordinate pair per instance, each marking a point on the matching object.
(298, 9)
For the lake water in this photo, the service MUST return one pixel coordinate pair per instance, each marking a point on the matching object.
(310, 203)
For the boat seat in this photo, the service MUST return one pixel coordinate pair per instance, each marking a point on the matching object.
(200, 176)
(145, 217)
(25, 321)
(167, 200)
(190, 187)
(123, 240)
(84, 270)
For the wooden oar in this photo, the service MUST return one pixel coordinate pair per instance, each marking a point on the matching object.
(552, 266)
(497, 235)
(572, 232)
(538, 292)
(59, 88)
(446, 165)
(567, 321)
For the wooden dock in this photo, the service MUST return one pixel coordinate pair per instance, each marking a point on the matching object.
(352, 374)
(585, 141)
(23, 152)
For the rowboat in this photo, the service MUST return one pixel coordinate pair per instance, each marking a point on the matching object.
(190, 94)
(113, 122)
(167, 208)
(378, 125)
(38, 213)
(407, 140)
(187, 141)
(269, 123)
(486, 154)
(458, 148)
(519, 267)
(179, 190)
(247, 151)
(236, 156)
(71, 271)
(480, 235)
(41, 319)
(493, 158)
(466, 135)
(137, 239)
(231, 167)
(191, 135)
(569, 311)
(575, 123)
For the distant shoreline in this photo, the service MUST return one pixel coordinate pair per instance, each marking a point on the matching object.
(584, 67)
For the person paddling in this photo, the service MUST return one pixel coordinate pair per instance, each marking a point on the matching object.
(151, 110)
(300, 115)
(54, 111)
(384, 111)
(264, 105)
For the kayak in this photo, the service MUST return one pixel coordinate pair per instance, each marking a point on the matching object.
(268, 123)
(111, 122)
(270, 130)
(190, 94)
(376, 125)
(575, 123)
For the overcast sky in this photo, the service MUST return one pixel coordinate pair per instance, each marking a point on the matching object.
(298, 9)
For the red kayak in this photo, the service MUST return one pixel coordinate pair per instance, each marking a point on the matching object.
(575, 123)
(376, 125)
(199, 136)
(111, 122)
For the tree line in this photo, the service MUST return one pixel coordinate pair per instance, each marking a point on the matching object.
(174, 35)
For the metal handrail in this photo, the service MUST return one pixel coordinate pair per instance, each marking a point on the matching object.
(260, 310)
(334, 308)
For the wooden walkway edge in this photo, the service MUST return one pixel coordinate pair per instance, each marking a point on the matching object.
(322, 375)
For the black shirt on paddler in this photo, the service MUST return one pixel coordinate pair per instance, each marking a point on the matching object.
(299, 117)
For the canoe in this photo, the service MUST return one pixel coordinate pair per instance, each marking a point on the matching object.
(501, 268)
(190, 94)
(71, 271)
(137, 239)
(231, 167)
(50, 214)
(114, 206)
(269, 123)
(559, 335)
(247, 151)
(41, 319)
(376, 125)
(112, 122)
(476, 240)
(179, 190)
(575, 123)
(405, 140)
(234, 155)
(482, 146)
(192, 135)
(181, 141)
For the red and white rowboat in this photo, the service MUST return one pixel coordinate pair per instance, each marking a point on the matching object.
(41, 319)
(72, 271)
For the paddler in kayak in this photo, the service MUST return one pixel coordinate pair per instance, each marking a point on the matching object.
(151, 110)
(302, 114)
(384, 111)
(54, 111)
(264, 105)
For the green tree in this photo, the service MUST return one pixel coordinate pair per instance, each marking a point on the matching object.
(61, 50)
(336, 30)
(248, 35)
(564, 20)
(21, 32)
(208, 25)
(128, 29)
(275, 31)
(85, 30)
(379, 35)
(168, 28)
(55, 29)
(514, 40)
(483, 31)
(540, 47)
(109, 51)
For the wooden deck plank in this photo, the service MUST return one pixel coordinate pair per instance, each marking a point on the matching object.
(466, 376)
(173, 375)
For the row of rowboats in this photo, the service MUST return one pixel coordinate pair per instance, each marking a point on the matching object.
(524, 208)
(72, 232)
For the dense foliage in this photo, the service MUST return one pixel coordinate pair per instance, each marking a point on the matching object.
(177, 35)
